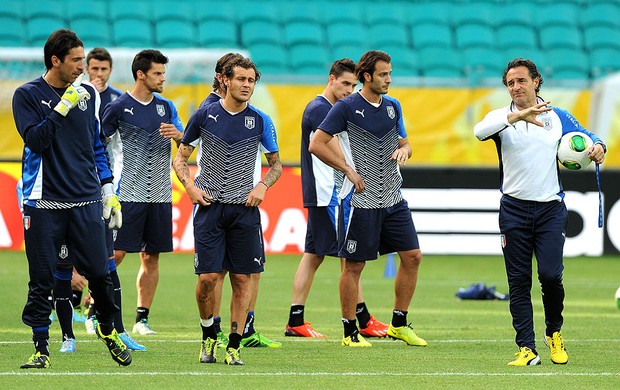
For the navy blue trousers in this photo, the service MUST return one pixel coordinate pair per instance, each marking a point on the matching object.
(533, 229)
(82, 230)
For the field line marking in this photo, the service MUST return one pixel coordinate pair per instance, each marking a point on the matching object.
(317, 340)
(314, 374)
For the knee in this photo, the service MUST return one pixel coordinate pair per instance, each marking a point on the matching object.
(411, 259)
(207, 282)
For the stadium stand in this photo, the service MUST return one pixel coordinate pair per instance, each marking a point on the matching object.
(559, 36)
(39, 28)
(431, 35)
(175, 33)
(340, 29)
(132, 33)
(347, 35)
(217, 33)
(260, 31)
(12, 31)
(94, 34)
(475, 35)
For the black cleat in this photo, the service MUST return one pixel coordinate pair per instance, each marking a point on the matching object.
(37, 361)
(117, 348)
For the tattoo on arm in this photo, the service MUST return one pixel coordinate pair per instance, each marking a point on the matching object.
(180, 165)
(275, 168)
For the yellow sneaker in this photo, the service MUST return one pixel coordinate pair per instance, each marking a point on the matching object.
(556, 346)
(406, 334)
(525, 357)
(355, 340)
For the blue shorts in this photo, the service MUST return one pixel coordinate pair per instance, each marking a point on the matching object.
(147, 227)
(321, 238)
(364, 232)
(228, 236)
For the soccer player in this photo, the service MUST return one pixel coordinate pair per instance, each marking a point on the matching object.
(532, 213)
(65, 279)
(374, 145)
(227, 192)
(320, 187)
(65, 169)
(146, 123)
(251, 338)
(99, 69)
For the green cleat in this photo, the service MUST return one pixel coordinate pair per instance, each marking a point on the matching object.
(222, 340)
(556, 347)
(37, 361)
(406, 334)
(232, 357)
(525, 357)
(208, 351)
(255, 340)
(119, 351)
(355, 340)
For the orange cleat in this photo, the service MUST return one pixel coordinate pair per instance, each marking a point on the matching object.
(305, 330)
(374, 328)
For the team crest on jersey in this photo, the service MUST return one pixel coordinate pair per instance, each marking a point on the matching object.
(391, 112)
(249, 122)
(26, 222)
(64, 252)
(351, 246)
(161, 110)
(82, 105)
(502, 237)
(547, 123)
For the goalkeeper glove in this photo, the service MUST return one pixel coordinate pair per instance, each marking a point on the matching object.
(112, 207)
(72, 96)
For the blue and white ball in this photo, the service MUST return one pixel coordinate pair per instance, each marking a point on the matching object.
(573, 150)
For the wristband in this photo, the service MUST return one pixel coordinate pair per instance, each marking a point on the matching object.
(265, 184)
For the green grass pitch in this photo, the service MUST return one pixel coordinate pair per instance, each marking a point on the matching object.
(470, 342)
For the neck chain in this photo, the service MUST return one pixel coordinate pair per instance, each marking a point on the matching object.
(52, 88)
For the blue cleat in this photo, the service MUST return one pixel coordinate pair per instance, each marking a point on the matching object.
(131, 343)
(78, 314)
(68, 346)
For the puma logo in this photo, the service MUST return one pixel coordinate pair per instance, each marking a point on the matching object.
(257, 260)
(49, 104)
(213, 117)
(129, 110)
(360, 112)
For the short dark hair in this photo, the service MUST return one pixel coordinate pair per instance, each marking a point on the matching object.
(144, 61)
(219, 67)
(531, 67)
(368, 61)
(342, 66)
(58, 44)
(242, 62)
(100, 54)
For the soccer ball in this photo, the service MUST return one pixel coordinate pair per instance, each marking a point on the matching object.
(573, 150)
(618, 297)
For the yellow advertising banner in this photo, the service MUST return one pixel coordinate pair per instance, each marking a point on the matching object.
(439, 121)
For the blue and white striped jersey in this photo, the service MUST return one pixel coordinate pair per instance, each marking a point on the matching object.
(320, 183)
(146, 156)
(63, 159)
(528, 153)
(113, 147)
(210, 99)
(230, 165)
(108, 95)
(369, 135)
